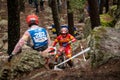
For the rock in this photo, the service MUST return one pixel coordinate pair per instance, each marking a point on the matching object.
(1, 44)
(3, 25)
(5, 38)
(87, 28)
(117, 25)
(23, 63)
(3, 22)
(105, 45)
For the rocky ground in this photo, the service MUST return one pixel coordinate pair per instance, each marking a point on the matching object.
(82, 69)
(78, 73)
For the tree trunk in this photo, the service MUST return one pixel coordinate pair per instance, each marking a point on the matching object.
(13, 24)
(106, 6)
(0, 4)
(117, 16)
(118, 4)
(94, 13)
(59, 6)
(70, 18)
(102, 2)
(55, 14)
(115, 2)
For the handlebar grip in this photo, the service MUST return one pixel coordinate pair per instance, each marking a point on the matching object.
(51, 51)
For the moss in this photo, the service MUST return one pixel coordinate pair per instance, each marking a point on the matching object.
(117, 25)
(97, 60)
(114, 7)
(97, 36)
(106, 20)
(87, 28)
(112, 10)
(101, 30)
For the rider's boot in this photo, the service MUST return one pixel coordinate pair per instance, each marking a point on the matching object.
(55, 62)
(70, 63)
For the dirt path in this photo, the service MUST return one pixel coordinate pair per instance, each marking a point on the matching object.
(110, 71)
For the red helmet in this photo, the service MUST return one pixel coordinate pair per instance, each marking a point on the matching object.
(64, 30)
(32, 19)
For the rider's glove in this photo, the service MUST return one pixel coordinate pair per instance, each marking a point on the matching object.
(69, 42)
(10, 57)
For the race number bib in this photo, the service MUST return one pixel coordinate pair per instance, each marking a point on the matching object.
(40, 37)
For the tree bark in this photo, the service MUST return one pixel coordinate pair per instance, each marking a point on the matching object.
(102, 2)
(13, 24)
(70, 18)
(94, 13)
(118, 4)
(59, 6)
(117, 16)
(55, 14)
(106, 6)
(115, 2)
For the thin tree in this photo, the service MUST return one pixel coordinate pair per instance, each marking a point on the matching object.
(94, 13)
(59, 6)
(0, 4)
(101, 5)
(118, 4)
(117, 16)
(115, 2)
(106, 6)
(55, 14)
(13, 24)
(70, 18)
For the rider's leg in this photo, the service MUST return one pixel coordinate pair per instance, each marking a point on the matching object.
(68, 52)
(58, 54)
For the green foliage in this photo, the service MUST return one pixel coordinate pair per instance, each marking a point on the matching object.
(106, 20)
(77, 4)
(112, 10)
(114, 7)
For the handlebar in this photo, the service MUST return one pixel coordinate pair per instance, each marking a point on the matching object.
(51, 51)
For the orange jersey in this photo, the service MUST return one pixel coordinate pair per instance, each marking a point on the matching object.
(61, 40)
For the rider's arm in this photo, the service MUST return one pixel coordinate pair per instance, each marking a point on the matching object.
(55, 42)
(49, 41)
(73, 39)
(21, 42)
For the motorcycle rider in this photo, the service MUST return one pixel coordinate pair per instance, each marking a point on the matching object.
(35, 36)
(64, 39)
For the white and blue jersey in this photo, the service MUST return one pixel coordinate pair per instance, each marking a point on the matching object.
(39, 37)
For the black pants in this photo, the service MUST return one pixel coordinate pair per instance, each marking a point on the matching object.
(41, 48)
(30, 1)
